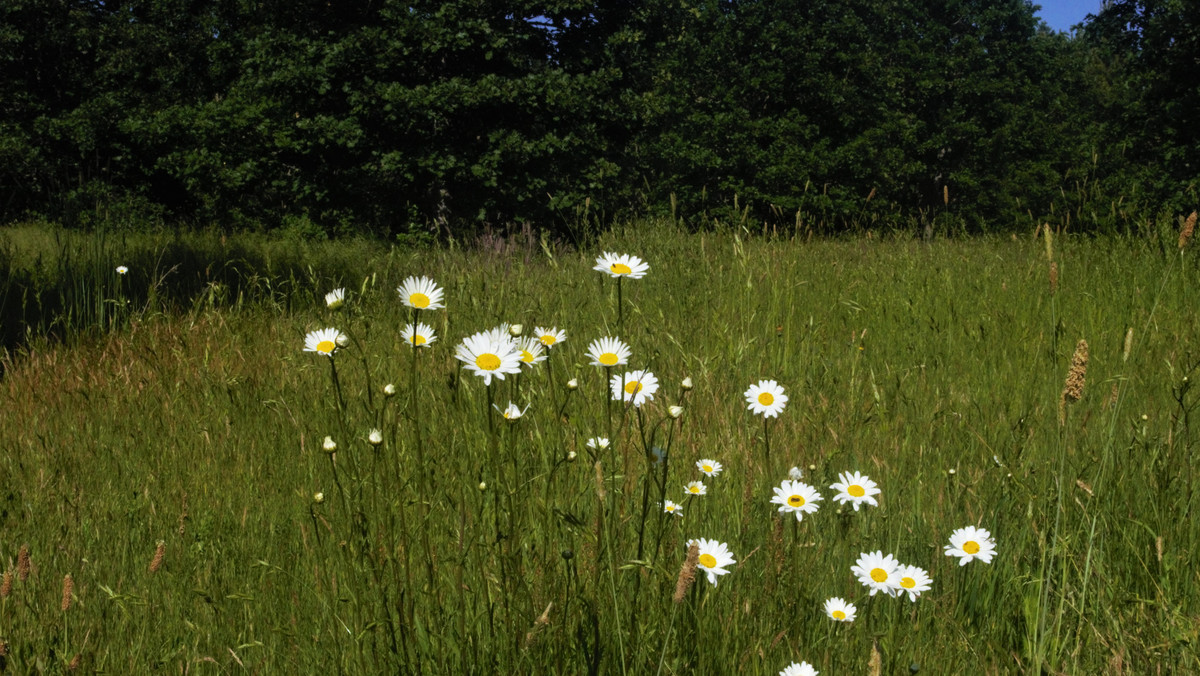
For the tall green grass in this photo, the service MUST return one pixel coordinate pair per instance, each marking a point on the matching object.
(464, 543)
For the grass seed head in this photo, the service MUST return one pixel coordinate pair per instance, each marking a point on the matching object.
(67, 589)
(24, 565)
(1053, 278)
(1073, 386)
(6, 585)
(159, 552)
(687, 574)
(1185, 233)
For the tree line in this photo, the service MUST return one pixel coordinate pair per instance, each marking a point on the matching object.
(452, 115)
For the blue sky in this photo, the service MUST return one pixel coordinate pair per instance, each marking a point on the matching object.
(1062, 14)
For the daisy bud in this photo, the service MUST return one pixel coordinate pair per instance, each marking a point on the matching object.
(318, 498)
(572, 384)
(515, 330)
(675, 411)
(389, 390)
(686, 384)
(812, 468)
(329, 445)
(375, 437)
(570, 456)
(795, 474)
(482, 486)
(342, 340)
(951, 472)
(335, 299)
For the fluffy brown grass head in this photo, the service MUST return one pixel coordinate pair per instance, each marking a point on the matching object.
(24, 563)
(1185, 232)
(67, 590)
(159, 552)
(1073, 386)
(687, 574)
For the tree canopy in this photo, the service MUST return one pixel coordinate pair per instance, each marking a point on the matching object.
(451, 115)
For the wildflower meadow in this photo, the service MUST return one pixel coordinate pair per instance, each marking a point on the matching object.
(654, 452)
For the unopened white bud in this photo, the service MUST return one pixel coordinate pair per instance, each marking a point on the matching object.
(572, 384)
(318, 498)
(375, 437)
(342, 340)
(570, 456)
(675, 411)
(389, 390)
(515, 330)
(329, 445)
(795, 474)
(687, 383)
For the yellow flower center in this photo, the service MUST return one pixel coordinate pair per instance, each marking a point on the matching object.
(706, 469)
(879, 575)
(326, 346)
(620, 269)
(609, 359)
(971, 547)
(856, 491)
(907, 582)
(766, 398)
(796, 501)
(694, 489)
(633, 387)
(487, 361)
(419, 300)
(838, 615)
(548, 340)
(708, 560)
(527, 356)
(418, 339)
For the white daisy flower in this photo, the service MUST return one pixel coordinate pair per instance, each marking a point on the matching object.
(709, 467)
(971, 543)
(488, 357)
(856, 489)
(878, 572)
(598, 443)
(121, 269)
(420, 336)
(636, 386)
(766, 398)
(323, 341)
(608, 352)
(621, 265)
(550, 337)
(840, 610)
(421, 293)
(695, 488)
(795, 474)
(714, 556)
(796, 497)
(512, 412)
(335, 299)
(913, 581)
(801, 669)
(532, 351)
(672, 508)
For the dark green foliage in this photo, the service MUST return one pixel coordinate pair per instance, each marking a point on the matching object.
(392, 117)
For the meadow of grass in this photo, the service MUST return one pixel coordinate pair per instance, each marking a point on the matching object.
(171, 465)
